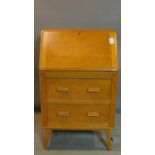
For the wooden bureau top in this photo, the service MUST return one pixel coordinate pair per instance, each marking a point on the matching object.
(78, 49)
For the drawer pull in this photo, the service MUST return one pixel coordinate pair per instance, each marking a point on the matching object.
(93, 114)
(63, 114)
(93, 90)
(61, 89)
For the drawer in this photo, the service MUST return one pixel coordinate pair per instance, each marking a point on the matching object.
(76, 114)
(82, 90)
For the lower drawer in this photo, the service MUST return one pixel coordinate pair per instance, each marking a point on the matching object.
(79, 116)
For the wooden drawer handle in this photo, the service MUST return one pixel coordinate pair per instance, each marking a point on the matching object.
(63, 114)
(62, 89)
(93, 90)
(93, 114)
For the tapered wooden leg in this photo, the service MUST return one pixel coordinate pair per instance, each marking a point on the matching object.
(99, 134)
(108, 139)
(47, 134)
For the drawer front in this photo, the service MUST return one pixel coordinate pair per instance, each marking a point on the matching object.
(82, 90)
(72, 115)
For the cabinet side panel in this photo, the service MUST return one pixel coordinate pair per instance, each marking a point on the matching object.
(43, 98)
(113, 99)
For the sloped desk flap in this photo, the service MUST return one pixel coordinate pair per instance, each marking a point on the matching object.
(78, 49)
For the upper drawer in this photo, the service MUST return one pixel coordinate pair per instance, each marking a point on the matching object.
(82, 90)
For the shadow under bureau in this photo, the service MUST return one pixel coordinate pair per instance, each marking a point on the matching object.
(78, 72)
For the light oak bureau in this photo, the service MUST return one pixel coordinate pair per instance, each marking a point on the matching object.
(78, 72)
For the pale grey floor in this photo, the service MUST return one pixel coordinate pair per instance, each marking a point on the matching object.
(78, 142)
